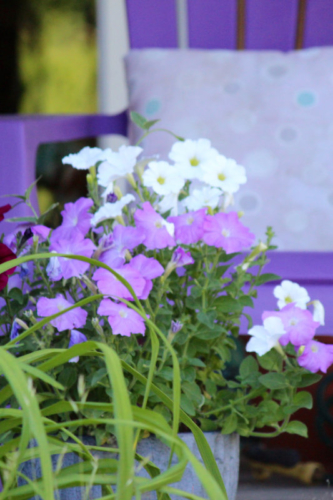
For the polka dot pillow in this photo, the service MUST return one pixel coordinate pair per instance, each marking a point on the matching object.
(271, 111)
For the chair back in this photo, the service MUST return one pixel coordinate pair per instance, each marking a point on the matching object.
(230, 24)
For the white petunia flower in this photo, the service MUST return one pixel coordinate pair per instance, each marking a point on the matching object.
(224, 173)
(191, 156)
(318, 312)
(264, 338)
(289, 292)
(84, 159)
(200, 198)
(117, 164)
(169, 202)
(162, 178)
(111, 210)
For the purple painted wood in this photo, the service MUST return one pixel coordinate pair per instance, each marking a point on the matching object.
(212, 24)
(21, 135)
(271, 24)
(152, 23)
(319, 23)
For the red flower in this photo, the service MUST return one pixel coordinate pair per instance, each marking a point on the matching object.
(5, 255)
(3, 210)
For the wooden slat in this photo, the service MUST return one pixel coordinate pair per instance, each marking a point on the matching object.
(319, 23)
(271, 24)
(241, 24)
(300, 24)
(152, 23)
(212, 24)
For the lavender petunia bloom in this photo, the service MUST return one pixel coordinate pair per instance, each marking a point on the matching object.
(149, 268)
(298, 323)
(176, 326)
(157, 231)
(316, 357)
(189, 227)
(76, 246)
(67, 321)
(109, 285)
(181, 258)
(226, 231)
(122, 319)
(14, 332)
(76, 220)
(114, 246)
(76, 338)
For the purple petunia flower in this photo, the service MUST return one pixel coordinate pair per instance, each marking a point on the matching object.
(76, 338)
(69, 268)
(114, 245)
(176, 326)
(15, 330)
(75, 220)
(149, 268)
(298, 323)
(109, 285)
(226, 231)
(122, 319)
(316, 357)
(157, 231)
(67, 321)
(181, 258)
(189, 227)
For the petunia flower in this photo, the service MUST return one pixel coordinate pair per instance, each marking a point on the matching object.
(70, 268)
(110, 285)
(191, 156)
(123, 320)
(84, 159)
(189, 226)
(117, 164)
(149, 268)
(226, 231)
(204, 197)
(157, 231)
(289, 292)
(3, 210)
(76, 318)
(76, 219)
(111, 210)
(76, 338)
(113, 247)
(170, 203)
(318, 312)
(5, 255)
(298, 323)
(264, 338)
(316, 356)
(224, 173)
(163, 178)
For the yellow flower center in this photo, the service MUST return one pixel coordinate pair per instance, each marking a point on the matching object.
(288, 300)
(189, 221)
(194, 161)
(158, 224)
(161, 180)
(123, 313)
(314, 348)
(221, 177)
(226, 233)
(293, 321)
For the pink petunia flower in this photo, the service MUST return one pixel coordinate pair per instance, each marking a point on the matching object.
(149, 268)
(299, 324)
(67, 321)
(75, 220)
(189, 227)
(157, 231)
(76, 338)
(226, 231)
(109, 285)
(114, 246)
(316, 357)
(69, 268)
(122, 319)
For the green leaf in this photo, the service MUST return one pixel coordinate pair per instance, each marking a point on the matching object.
(273, 381)
(264, 278)
(193, 392)
(138, 119)
(227, 304)
(187, 405)
(297, 427)
(195, 362)
(271, 361)
(246, 301)
(309, 379)
(208, 425)
(205, 334)
(303, 399)
(149, 124)
(248, 366)
(21, 219)
(230, 424)
(207, 319)
(16, 294)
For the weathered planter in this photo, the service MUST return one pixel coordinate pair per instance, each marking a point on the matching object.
(225, 450)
